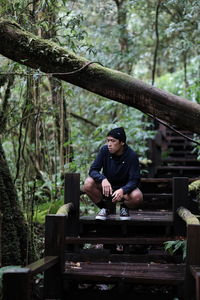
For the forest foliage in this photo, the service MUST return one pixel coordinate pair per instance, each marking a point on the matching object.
(49, 127)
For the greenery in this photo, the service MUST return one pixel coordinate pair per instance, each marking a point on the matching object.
(49, 127)
(172, 247)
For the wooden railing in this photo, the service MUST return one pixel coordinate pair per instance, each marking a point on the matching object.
(61, 231)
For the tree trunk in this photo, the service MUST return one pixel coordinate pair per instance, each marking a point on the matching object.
(14, 230)
(28, 49)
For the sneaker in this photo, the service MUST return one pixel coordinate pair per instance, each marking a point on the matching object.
(102, 215)
(124, 213)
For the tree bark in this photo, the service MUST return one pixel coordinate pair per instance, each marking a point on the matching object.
(14, 230)
(26, 48)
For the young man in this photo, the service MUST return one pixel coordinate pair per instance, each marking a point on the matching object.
(115, 175)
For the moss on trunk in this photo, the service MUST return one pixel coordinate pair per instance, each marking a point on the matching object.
(14, 230)
(26, 48)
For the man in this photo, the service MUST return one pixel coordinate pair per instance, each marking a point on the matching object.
(114, 174)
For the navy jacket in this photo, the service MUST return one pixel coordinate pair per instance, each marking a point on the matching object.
(121, 171)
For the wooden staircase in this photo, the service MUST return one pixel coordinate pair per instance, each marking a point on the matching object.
(127, 256)
(138, 242)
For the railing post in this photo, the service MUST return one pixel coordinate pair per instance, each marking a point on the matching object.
(17, 284)
(192, 258)
(54, 246)
(180, 198)
(72, 194)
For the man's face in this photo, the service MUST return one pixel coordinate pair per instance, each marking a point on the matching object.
(114, 146)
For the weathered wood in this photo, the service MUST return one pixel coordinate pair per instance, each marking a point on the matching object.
(17, 284)
(54, 246)
(26, 48)
(193, 258)
(136, 217)
(180, 198)
(187, 216)
(172, 274)
(117, 240)
(43, 264)
(195, 270)
(72, 195)
(104, 255)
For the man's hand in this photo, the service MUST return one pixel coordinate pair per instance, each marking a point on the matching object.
(117, 195)
(106, 187)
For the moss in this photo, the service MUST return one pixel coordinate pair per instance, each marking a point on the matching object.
(15, 233)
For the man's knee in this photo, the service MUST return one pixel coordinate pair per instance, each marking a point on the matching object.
(88, 184)
(136, 197)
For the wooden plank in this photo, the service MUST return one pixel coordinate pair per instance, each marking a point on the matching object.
(17, 284)
(180, 198)
(72, 195)
(193, 258)
(139, 217)
(195, 270)
(118, 240)
(179, 168)
(42, 264)
(156, 180)
(164, 180)
(104, 255)
(131, 272)
(54, 245)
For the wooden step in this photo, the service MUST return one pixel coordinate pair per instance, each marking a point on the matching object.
(182, 153)
(166, 168)
(117, 240)
(169, 274)
(135, 255)
(156, 196)
(176, 171)
(141, 222)
(179, 146)
(156, 201)
(139, 217)
(181, 160)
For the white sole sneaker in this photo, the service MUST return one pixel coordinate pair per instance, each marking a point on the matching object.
(124, 217)
(100, 218)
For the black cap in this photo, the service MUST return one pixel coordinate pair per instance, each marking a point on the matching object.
(118, 133)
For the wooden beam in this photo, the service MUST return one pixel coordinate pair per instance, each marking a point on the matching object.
(72, 195)
(180, 198)
(54, 246)
(42, 264)
(192, 258)
(17, 284)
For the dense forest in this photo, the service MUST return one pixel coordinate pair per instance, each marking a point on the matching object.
(50, 126)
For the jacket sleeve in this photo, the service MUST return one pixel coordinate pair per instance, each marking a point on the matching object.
(95, 169)
(134, 176)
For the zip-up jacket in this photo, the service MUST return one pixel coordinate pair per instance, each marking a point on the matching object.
(122, 171)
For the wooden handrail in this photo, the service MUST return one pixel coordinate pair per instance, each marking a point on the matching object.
(187, 216)
(42, 264)
(65, 209)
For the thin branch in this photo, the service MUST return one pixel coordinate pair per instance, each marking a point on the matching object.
(157, 42)
(173, 129)
(83, 119)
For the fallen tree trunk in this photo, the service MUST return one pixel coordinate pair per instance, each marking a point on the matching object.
(26, 48)
(187, 216)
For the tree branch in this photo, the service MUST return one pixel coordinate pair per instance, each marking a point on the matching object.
(26, 48)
